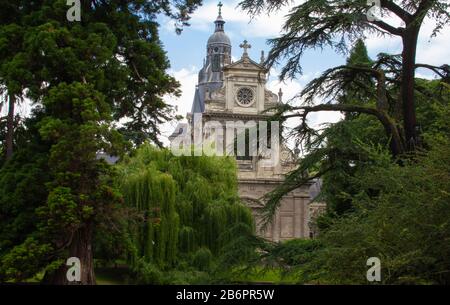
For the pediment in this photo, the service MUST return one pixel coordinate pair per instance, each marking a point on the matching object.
(245, 63)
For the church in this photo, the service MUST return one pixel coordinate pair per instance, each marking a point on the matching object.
(236, 91)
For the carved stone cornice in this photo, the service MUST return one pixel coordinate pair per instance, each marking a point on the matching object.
(232, 115)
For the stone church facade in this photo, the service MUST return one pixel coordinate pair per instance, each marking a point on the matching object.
(236, 91)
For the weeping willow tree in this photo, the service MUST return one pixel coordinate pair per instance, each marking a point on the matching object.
(188, 204)
(153, 193)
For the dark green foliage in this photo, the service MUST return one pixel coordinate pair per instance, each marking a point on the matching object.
(146, 273)
(377, 206)
(187, 239)
(22, 190)
(401, 215)
(81, 76)
(22, 183)
(23, 260)
(78, 189)
(433, 104)
(202, 259)
(406, 224)
(294, 258)
(294, 252)
(239, 252)
(355, 90)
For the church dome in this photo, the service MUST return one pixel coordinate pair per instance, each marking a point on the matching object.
(219, 38)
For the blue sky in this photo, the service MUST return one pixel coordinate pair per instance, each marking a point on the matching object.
(186, 51)
(190, 46)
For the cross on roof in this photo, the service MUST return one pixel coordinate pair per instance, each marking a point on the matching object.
(245, 46)
(220, 7)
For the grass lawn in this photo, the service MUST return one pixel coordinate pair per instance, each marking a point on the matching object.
(118, 276)
(261, 276)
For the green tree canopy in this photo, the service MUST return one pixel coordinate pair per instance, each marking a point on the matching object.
(82, 77)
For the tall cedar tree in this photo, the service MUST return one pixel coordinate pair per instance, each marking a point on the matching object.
(389, 81)
(316, 24)
(334, 153)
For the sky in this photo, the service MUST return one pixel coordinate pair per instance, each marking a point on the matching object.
(187, 51)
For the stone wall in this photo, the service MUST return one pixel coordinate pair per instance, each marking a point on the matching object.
(291, 219)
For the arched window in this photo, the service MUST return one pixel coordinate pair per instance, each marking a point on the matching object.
(216, 63)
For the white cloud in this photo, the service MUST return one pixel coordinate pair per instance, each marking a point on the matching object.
(289, 88)
(377, 44)
(385, 43)
(434, 51)
(188, 78)
(260, 26)
(317, 119)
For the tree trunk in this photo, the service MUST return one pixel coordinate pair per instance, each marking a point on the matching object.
(407, 88)
(81, 248)
(10, 127)
(389, 125)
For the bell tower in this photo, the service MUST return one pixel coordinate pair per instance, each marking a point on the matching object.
(218, 55)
